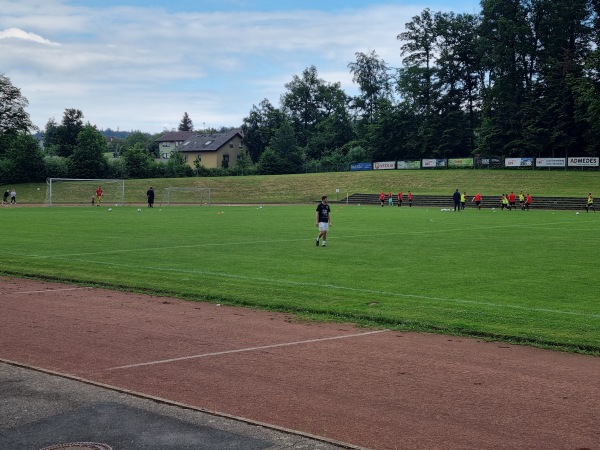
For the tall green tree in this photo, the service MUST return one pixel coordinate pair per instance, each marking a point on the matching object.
(372, 76)
(145, 140)
(88, 160)
(588, 87)
(24, 160)
(416, 79)
(563, 31)
(51, 137)
(14, 120)
(420, 39)
(507, 45)
(301, 103)
(186, 123)
(283, 155)
(459, 72)
(334, 127)
(138, 163)
(68, 130)
(260, 126)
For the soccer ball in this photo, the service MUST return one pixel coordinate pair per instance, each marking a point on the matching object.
(38, 189)
(110, 209)
(139, 209)
(577, 213)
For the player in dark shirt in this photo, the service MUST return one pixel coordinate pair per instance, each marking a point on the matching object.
(150, 195)
(323, 219)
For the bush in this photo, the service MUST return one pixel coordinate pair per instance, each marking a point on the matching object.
(57, 167)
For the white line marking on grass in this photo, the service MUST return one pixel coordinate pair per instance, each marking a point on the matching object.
(249, 349)
(272, 241)
(340, 288)
(43, 291)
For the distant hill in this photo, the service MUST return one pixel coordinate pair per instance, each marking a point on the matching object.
(115, 134)
(108, 133)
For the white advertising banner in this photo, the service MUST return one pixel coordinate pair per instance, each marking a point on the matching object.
(429, 163)
(583, 162)
(549, 162)
(408, 165)
(518, 162)
(385, 165)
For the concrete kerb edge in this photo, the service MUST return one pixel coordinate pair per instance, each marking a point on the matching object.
(185, 406)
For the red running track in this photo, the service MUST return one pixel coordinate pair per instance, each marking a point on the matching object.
(372, 388)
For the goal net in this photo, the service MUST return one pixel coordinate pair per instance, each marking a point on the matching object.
(186, 196)
(80, 191)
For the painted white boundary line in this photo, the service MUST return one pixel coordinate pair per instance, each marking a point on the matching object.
(52, 290)
(336, 287)
(271, 241)
(249, 349)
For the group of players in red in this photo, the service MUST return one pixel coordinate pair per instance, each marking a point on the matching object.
(390, 198)
(508, 201)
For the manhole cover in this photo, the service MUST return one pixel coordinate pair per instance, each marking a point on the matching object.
(79, 446)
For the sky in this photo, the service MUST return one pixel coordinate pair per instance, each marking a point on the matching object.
(139, 65)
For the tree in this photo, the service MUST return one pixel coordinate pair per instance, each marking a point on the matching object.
(14, 120)
(458, 69)
(371, 75)
(507, 45)
(334, 127)
(356, 154)
(419, 51)
(270, 163)
(51, 137)
(258, 128)
(285, 155)
(137, 162)
(563, 33)
(186, 123)
(242, 162)
(301, 103)
(88, 160)
(416, 80)
(24, 160)
(71, 126)
(177, 167)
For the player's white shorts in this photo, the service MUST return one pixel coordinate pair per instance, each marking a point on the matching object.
(323, 226)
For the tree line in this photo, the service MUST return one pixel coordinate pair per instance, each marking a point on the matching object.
(521, 78)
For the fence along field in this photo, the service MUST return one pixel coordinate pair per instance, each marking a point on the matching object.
(527, 277)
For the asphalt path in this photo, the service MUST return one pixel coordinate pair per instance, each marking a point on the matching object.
(40, 410)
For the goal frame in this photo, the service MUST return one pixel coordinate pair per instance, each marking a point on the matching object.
(49, 182)
(184, 189)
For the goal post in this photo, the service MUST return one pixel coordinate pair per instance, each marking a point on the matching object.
(81, 191)
(186, 196)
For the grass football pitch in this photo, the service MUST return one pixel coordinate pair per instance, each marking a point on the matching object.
(522, 277)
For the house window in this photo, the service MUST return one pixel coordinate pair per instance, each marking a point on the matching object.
(226, 157)
(208, 143)
(231, 145)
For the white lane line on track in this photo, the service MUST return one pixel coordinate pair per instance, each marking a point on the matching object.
(249, 349)
(51, 290)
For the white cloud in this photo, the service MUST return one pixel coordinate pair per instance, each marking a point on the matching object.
(142, 68)
(16, 33)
